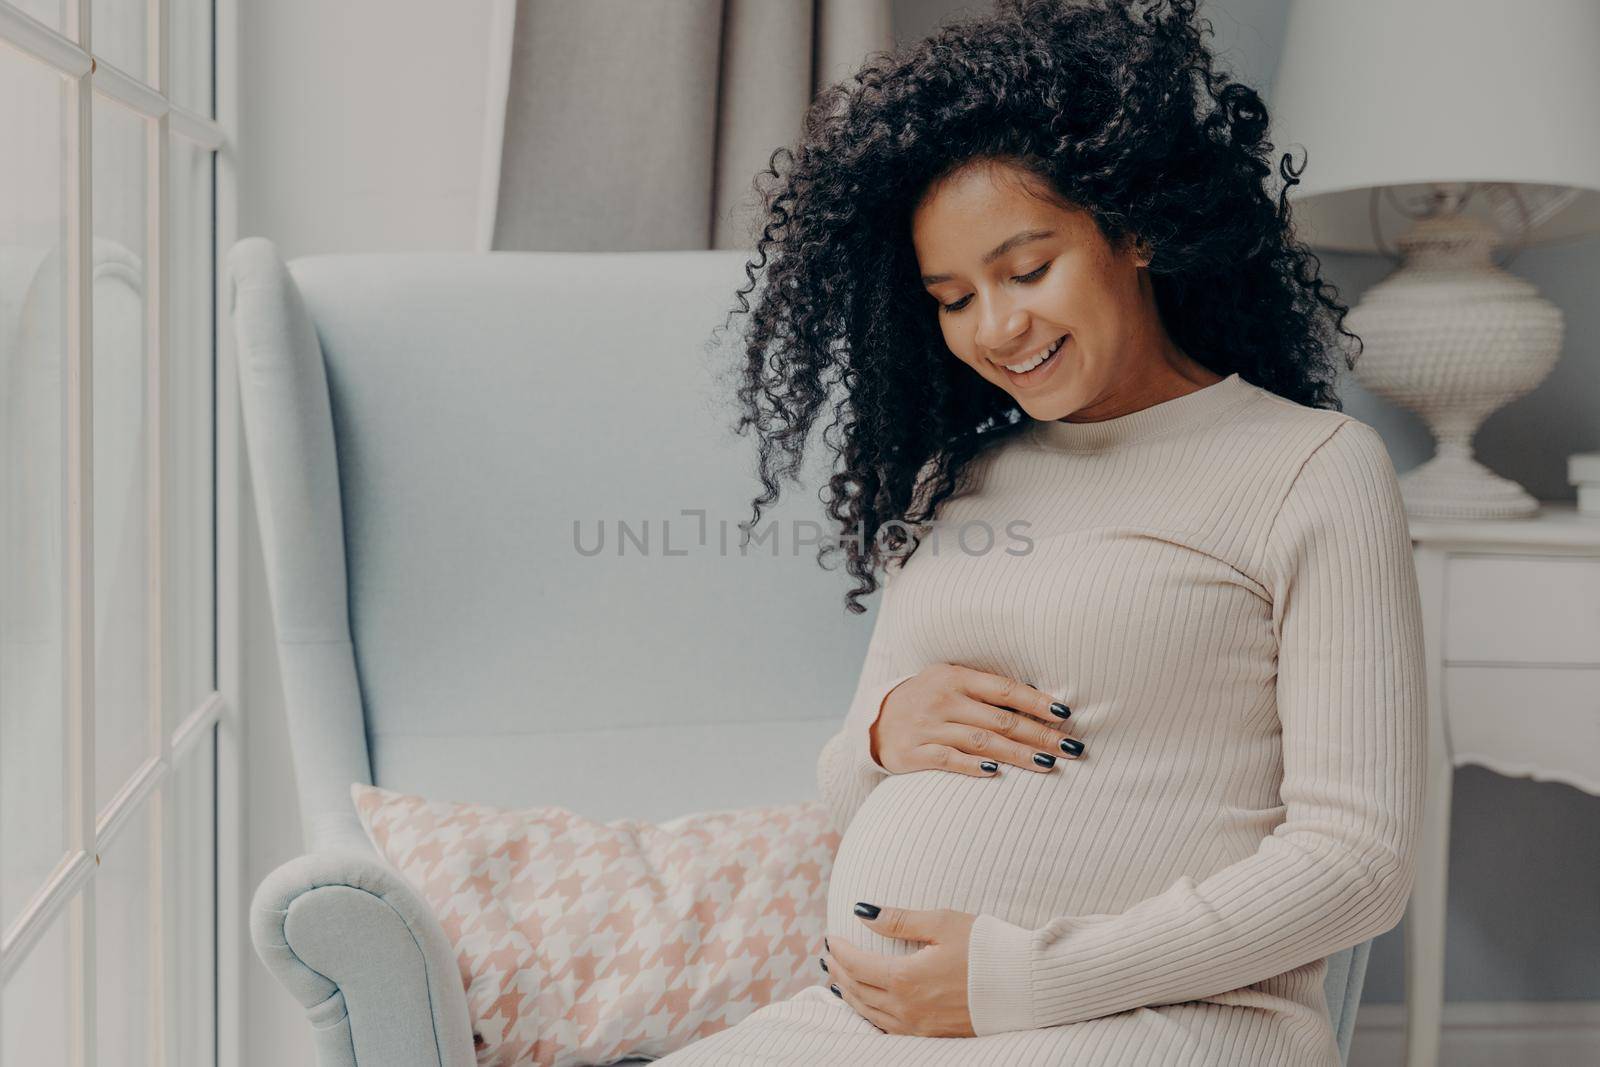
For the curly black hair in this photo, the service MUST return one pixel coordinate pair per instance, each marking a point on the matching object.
(1116, 106)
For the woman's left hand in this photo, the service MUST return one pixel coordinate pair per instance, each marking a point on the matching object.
(922, 994)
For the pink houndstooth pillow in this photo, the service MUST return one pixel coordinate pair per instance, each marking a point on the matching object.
(582, 942)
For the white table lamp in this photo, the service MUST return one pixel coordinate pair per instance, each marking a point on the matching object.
(1462, 125)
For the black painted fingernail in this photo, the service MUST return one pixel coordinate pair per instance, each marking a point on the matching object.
(835, 990)
(1072, 746)
(1060, 710)
(867, 911)
(823, 963)
(990, 765)
(825, 945)
(1044, 759)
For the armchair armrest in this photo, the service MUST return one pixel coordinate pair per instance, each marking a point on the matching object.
(356, 945)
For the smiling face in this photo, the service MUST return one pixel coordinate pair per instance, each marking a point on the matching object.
(1014, 272)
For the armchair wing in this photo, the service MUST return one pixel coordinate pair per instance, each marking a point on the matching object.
(355, 945)
(342, 931)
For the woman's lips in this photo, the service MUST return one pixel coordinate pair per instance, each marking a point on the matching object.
(1031, 378)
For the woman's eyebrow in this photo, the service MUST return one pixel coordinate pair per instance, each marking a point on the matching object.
(999, 250)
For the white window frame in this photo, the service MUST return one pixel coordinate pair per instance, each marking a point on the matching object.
(69, 890)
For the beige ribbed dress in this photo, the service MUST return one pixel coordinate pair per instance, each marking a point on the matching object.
(1221, 588)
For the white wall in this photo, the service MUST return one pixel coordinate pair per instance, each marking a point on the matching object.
(361, 123)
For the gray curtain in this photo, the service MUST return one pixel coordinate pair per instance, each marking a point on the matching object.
(636, 125)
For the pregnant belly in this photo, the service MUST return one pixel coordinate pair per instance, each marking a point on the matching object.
(1025, 846)
(937, 839)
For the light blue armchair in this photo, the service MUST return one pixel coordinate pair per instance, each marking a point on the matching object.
(437, 443)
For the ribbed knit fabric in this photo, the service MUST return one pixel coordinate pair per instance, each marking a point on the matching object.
(1221, 587)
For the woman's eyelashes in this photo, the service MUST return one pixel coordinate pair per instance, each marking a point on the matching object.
(1031, 276)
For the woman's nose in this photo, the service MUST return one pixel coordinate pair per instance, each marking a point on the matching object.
(999, 327)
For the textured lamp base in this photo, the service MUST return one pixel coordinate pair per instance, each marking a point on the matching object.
(1453, 485)
(1453, 338)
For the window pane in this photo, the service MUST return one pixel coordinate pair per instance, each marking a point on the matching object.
(121, 525)
(117, 31)
(33, 1018)
(52, 13)
(189, 29)
(188, 428)
(122, 944)
(192, 997)
(33, 298)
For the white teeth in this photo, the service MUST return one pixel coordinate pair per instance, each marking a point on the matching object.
(1023, 368)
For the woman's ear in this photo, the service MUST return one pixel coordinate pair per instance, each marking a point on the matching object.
(1134, 246)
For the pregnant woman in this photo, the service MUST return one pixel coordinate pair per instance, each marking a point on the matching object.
(1139, 739)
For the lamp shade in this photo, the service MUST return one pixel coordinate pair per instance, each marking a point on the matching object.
(1404, 93)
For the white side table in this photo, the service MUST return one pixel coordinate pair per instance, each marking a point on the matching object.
(1511, 625)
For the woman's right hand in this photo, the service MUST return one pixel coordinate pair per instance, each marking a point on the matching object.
(954, 718)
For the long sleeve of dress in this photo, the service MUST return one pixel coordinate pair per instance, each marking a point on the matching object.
(846, 771)
(1338, 868)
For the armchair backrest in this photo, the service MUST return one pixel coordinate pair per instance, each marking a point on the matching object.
(510, 483)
